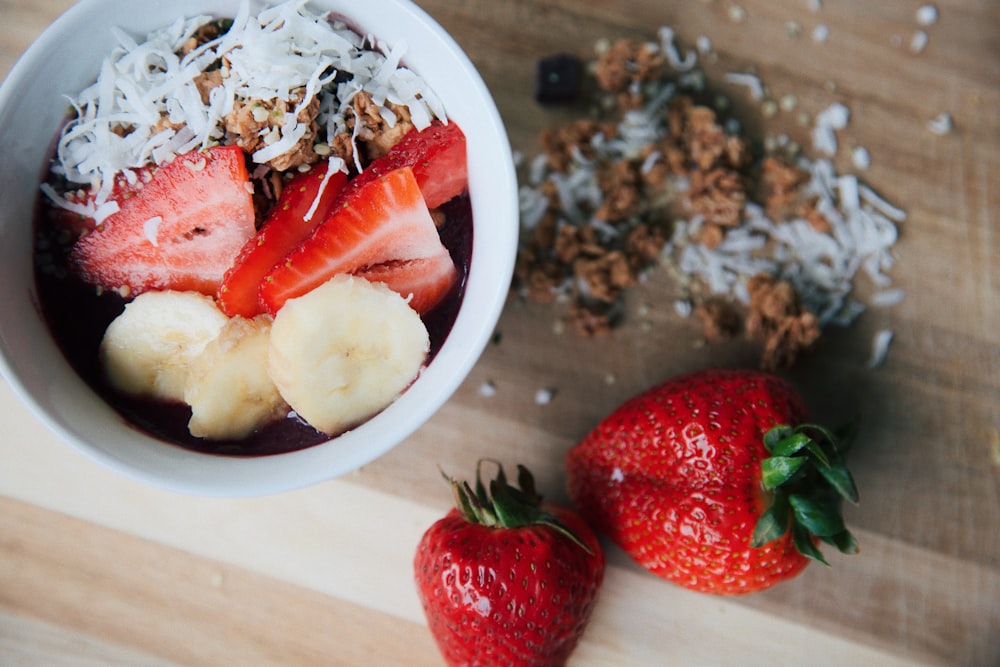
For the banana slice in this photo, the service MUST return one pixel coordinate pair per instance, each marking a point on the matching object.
(228, 387)
(146, 351)
(344, 351)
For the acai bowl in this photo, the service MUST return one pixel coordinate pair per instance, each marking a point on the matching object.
(89, 376)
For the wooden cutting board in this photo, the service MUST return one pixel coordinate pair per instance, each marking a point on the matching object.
(96, 569)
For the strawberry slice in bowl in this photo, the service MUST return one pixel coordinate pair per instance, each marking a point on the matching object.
(425, 281)
(305, 201)
(437, 155)
(382, 231)
(74, 211)
(180, 231)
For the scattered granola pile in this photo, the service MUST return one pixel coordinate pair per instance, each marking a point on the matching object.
(764, 244)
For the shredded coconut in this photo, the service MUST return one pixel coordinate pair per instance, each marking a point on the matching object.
(919, 41)
(828, 121)
(334, 165)
(880, 347)
(889, 297)
(151, 228)
(820, 33)
(861, 158)
(146, 106)
(941, 124)
(544, 396)
(750, 81)
(927, 15)
(680, 64)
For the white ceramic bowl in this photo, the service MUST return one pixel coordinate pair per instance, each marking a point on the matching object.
(66, 58)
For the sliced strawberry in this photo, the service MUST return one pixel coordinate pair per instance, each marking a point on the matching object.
(77, 223)
(310, 194)
(386, 222)
(180, 231)
(424, 281)
(437, 156)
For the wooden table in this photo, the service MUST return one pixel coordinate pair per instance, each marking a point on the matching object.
(95, 569)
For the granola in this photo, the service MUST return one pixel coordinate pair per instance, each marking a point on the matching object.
(765, 243)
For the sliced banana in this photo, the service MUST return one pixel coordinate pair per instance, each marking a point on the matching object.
(147, 350)
(344, 351)
(228, 386)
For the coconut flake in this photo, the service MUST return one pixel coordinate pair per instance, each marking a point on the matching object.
(887, 298)
(835, 116)
(334, 164)
(824, 137)
(941, 124)
(669, 46)
(544, 396)
(750, 81)
(861, 158)
(878, 203)
(880, 347)
(824, 140)
(919, 41)
(850, 198)
(927, 15)
(150, 229)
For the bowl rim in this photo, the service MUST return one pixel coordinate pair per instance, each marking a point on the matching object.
(491, 270)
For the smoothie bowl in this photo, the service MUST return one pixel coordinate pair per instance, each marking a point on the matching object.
(247, 246)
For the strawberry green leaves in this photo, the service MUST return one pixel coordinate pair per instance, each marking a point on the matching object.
(506, 506)
(808, 478)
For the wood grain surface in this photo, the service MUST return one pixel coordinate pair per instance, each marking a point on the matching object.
(95, 569)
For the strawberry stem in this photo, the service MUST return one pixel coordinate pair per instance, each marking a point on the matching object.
(808, 478)
(502, 505)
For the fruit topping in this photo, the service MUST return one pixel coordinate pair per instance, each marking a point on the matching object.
(148, 349)
(305, 201)
(228, 386)
(344, 351)
(180, 231)
(384, 227)
(437, 156)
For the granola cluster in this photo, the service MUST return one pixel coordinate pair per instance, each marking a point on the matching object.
(713, 161)
(595, 260)
(610, 206)
(625, 67)
(254, 123)
(781, 192)
(775, 318)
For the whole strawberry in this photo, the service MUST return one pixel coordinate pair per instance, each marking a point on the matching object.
(505, 579)
(713, 481)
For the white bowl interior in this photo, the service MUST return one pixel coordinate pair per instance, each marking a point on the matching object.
(66, 58)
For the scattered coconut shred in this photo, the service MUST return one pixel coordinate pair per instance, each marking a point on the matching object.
(760, 246)
(289, 86)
